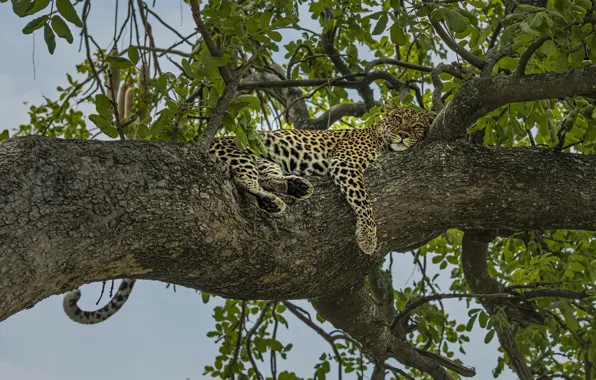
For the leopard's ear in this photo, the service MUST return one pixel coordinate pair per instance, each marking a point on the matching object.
(390, 105)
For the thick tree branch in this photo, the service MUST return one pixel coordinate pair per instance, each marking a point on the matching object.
(354, 311)
(479, 96)
(73, 212)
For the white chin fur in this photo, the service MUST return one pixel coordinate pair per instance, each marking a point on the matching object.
(398, 147)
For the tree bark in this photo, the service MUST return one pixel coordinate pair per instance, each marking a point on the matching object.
(73, 212)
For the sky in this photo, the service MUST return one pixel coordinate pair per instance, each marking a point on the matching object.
(158, 334)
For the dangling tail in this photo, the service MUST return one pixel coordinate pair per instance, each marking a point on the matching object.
(75, 313)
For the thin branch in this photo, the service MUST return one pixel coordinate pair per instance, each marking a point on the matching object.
(249, 338)
(218, 114)
(322, 333)
(525, 58)
(241, 322)
(225, 72)
(395, 62)
(148, 33)
(460, 50)
(329, 48)
(172, 29)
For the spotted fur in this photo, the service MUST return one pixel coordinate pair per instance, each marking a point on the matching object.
(342, 154)
(92, 317)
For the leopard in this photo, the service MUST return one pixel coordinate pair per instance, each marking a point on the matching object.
(342, 154)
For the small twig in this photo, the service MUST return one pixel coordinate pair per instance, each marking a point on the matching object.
(103, 287)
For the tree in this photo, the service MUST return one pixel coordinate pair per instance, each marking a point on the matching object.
(501, 192)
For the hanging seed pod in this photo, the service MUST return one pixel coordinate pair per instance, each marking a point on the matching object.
(143, 85)
(128, 102)
(122, 101)
(113, 77)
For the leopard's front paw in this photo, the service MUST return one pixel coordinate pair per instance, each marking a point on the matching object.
(271, 203)
(299, 188)
(366, 235)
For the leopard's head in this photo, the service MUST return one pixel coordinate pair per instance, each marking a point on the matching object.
(403, 127)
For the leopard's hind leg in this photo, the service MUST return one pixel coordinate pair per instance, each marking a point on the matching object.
(243, 168)
(272, 178)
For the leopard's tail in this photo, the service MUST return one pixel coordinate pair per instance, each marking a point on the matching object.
(75, 313)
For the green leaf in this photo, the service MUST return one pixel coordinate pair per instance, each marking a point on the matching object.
(35, 24)
(261, 38)
(251, 25)
(381, 24)
(536, 21)
(102, 106)
(561, 64)
(577, 56)
(61, 29)
(469, 15)
(528, 8)
(397, 35)
(160, 123)
(21, 7)
(162, 84)
(68, 12)
(508, 35)
(4, 135)
(549, 48)
(438, 14)
(526, 29)
(282, 22)
(104, 125)
(50, 38)
(119, 62)
(456, 21)
(38, 5)
(265, 19)
(489, 336)
(205, 297)
(211, 62)
(274, 35)
(133, 54)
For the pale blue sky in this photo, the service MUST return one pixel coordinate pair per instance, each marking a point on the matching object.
(159, 334)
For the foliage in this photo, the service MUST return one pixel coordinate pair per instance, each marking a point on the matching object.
(562, 35)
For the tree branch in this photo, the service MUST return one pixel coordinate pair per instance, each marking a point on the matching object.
(74, 212)
(479, 96)
(218, 114)
(458, 49)
(525, 58)
(364, 89)
(225, 71)
(474, 263)
(355, 312)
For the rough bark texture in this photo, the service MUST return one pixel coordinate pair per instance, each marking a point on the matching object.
(73, 212)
